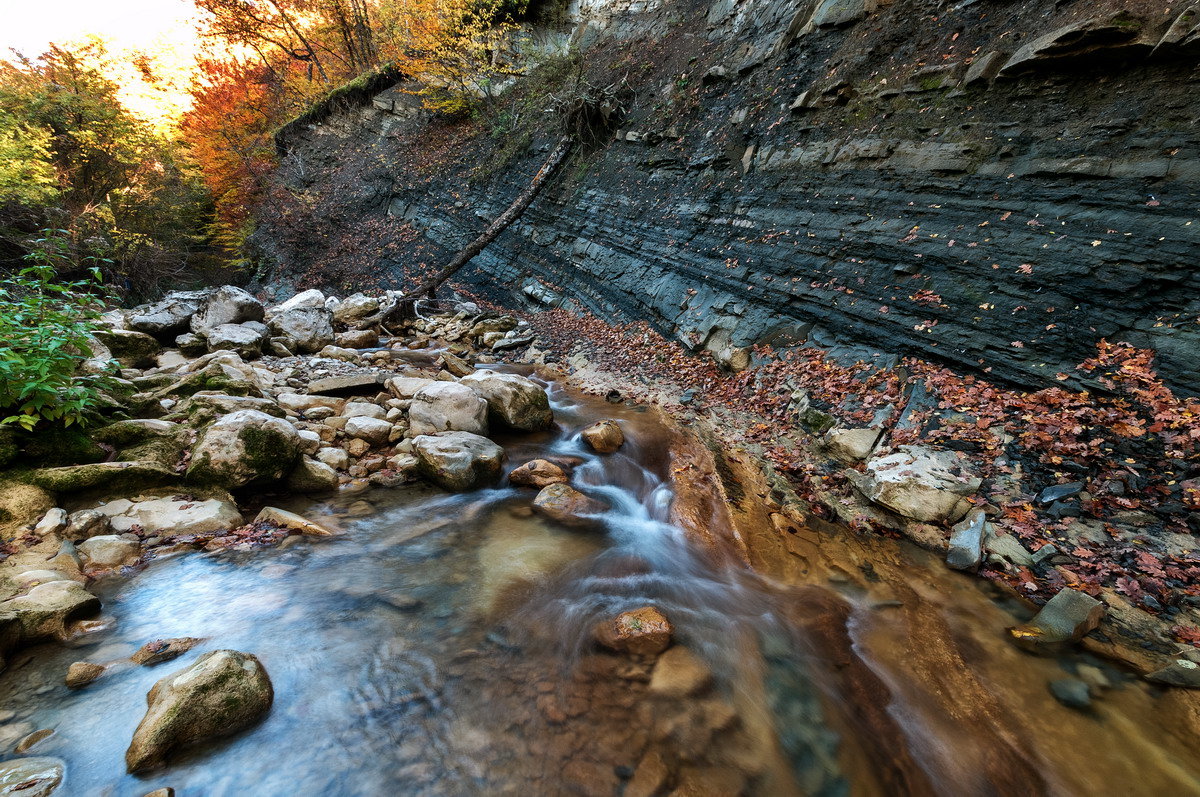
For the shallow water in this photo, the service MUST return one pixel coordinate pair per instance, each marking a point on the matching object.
(441, 645)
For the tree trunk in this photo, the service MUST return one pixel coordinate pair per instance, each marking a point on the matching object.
(502, 222)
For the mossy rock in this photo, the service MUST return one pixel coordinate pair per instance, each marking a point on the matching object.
(114, 475)
(244, 448)
(9, 448)
(816, 421)
(56, 445)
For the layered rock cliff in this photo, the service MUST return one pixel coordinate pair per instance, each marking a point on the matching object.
(993, 184)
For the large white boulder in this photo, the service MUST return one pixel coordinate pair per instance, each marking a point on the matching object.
(375, 431)
(513, 400)
(920, 483)
(447, 407)
(245, 339)
(172, 517)
(109, 550)
(245, 447)
(354, 308)
(307, 329)
(458, 461)
(226, 305)
(309, 298)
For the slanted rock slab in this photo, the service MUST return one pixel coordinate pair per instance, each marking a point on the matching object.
(920, 483)
(30, 777)
(290, 520)
(222, 693)
(1067, 617)
(679, 673)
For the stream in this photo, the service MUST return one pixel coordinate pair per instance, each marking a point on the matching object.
(442, 644)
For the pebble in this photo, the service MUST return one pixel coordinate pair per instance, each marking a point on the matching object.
(1072, 693)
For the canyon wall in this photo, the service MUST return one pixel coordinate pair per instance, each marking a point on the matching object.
(992, 184)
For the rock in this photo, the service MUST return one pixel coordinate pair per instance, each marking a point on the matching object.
(169, 317)
(375, 431)
(66, 561)
(290, 520)
(835, 13)
(458, 461)
(1073, 41)
(44, 612)
(351, 383)
(31, 578)
(30, 740)
(650, 778)
(108, 551)
(1067, 617)
(172, 517)
(307, 329)
(86, 523)
(220, 694)
(1057, 492)
(309, 298)
(110, 475)
(985, 67)
(966, 542)
(644, 632)
(166, 791)
(1006, 547)
(191, 344)
(30, 777)
(851, 445)
(131, 349)
(516, 342)
(357, 339)
(538, 473)
(357, 448)
(310, 441)
(335, 458)
(311, 476)
(447, 407)
(243, 339)
(564, 504)
(604, 436)
(1071, 692)
(161, 650)
(1180, 672)
(82, 673)
(679, 673)
(405, 387)
(52, 523)
(226, 306)
(456, 365)
(919, 483)
(337, 353)
(362, 409)
(243, 448)
(513, 401)
(297, 403)
(355, 308)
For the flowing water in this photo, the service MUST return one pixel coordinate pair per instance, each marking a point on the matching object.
(442, 645)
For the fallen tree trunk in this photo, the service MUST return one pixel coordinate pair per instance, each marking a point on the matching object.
(502, 222)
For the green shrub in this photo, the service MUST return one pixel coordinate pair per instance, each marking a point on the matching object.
(45, 334)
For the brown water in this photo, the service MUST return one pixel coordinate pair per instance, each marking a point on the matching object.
(441, 645)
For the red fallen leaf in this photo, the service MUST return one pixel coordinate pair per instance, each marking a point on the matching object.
(1188, 634)
(1129, 586)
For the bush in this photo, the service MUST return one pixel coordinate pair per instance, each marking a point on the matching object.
(46, 330)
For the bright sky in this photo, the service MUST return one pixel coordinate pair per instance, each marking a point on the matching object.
(163, 29)
(29, 25)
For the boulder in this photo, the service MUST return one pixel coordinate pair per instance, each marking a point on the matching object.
(966, 542)
(44, 612)
(363, 409)
(169, 317)
(458, 460)
(566, 505)
(244, 339)
(538, 473)
(311, 476)
(512, 400)
(191, 345)
(679, 673)
(86, 523)
(131, 349)
(447, 407)
(349, 383)
(335, 458)
(30, 777)
(405, 387)
(920, 483)
(82, 673)
(297, 403)
(332, 352)
(357, 339)
(457, 366)
(375, 431)
(851, 445)
(354, 308)
(1067, 617)
(110, 475)
(161, 650)
(109, 551)
(227, 305)
(290, 520)
(305, 299)
(644, 632)
(243, 448)
(307, 329)
(221, 693)
(172, 516)
(604, 436)
(52, 523)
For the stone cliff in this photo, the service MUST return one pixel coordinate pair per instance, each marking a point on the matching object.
(993, 184)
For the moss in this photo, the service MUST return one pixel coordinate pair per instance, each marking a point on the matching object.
(9, 450)
(56, 446)
(355, 93)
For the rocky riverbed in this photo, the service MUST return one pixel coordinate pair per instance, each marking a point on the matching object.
(599, 556)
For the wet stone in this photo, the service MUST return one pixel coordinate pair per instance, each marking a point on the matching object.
(1071, 692)
(679, 673)
(161, 650)
(1066, 617)
(82, 673)
(644, 631)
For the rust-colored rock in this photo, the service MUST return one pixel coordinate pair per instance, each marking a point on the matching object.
(161, 650)
(645, 631)
(538, 473)
(82, 673)
(604, 436)
(566, 505)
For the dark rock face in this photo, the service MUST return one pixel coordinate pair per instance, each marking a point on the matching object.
(1001, 211)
